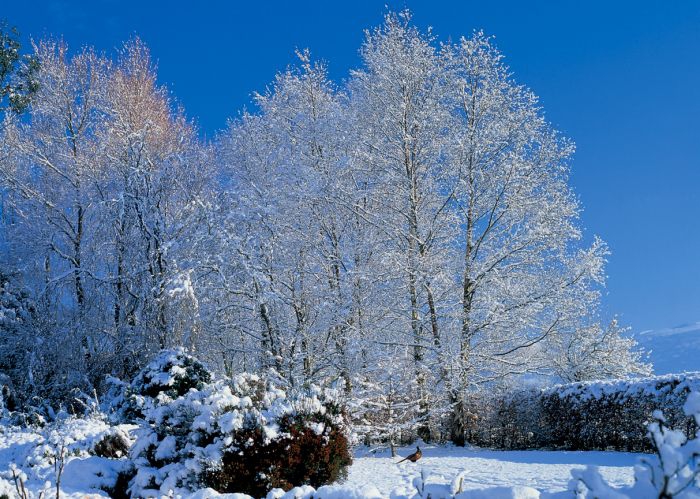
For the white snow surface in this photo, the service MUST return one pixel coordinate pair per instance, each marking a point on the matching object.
(546, 471)
(32, 452)
(443, 470)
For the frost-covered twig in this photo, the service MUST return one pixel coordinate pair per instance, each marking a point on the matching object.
(59, 464)
(19, 483)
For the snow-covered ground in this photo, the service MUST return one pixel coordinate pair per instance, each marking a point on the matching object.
(373, 474)
(546, 471)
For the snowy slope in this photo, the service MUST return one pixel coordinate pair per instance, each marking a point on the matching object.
(673, 350)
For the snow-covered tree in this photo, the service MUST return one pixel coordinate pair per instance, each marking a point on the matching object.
(398, 131)
(293, 232)
(17, 82)
(18, 323)
(51, 173)
(525, 278)
(102, 178)
(484, 274)
(158, 176)
(599, 353)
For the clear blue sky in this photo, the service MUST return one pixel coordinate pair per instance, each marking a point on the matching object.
(621, 78)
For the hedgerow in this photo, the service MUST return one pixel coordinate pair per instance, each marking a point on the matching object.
(601, 415)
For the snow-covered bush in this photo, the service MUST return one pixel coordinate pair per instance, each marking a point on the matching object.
(282, 442)
(673, 471)
(238, 435)
(585, 416)
(17, 317)
(66, 451)
(113, 444)
(169, 376)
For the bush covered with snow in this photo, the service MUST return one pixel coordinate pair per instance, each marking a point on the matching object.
(17, 322)
(281, 442)
(672, 472)
(172, 374)
(234, 435)
(584, 416)
(69, 451)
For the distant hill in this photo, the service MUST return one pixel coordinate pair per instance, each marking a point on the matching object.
(673, 350)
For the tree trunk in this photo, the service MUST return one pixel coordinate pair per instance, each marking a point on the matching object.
(268, 343)
(413, 241)
(433, 316)
(468, 288)
(458, 424)
(77, 248)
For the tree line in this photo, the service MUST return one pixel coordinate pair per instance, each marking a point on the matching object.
(411, 232)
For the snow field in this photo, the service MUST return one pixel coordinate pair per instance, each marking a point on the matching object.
(546, 471)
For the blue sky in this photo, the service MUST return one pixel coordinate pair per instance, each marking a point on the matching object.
(620, 78)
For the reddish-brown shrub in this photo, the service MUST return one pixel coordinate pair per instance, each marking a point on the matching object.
(312, 451)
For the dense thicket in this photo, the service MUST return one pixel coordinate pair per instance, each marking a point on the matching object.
(411, 232)
(601, 415)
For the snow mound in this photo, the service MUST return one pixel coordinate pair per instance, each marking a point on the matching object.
(32, 453)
